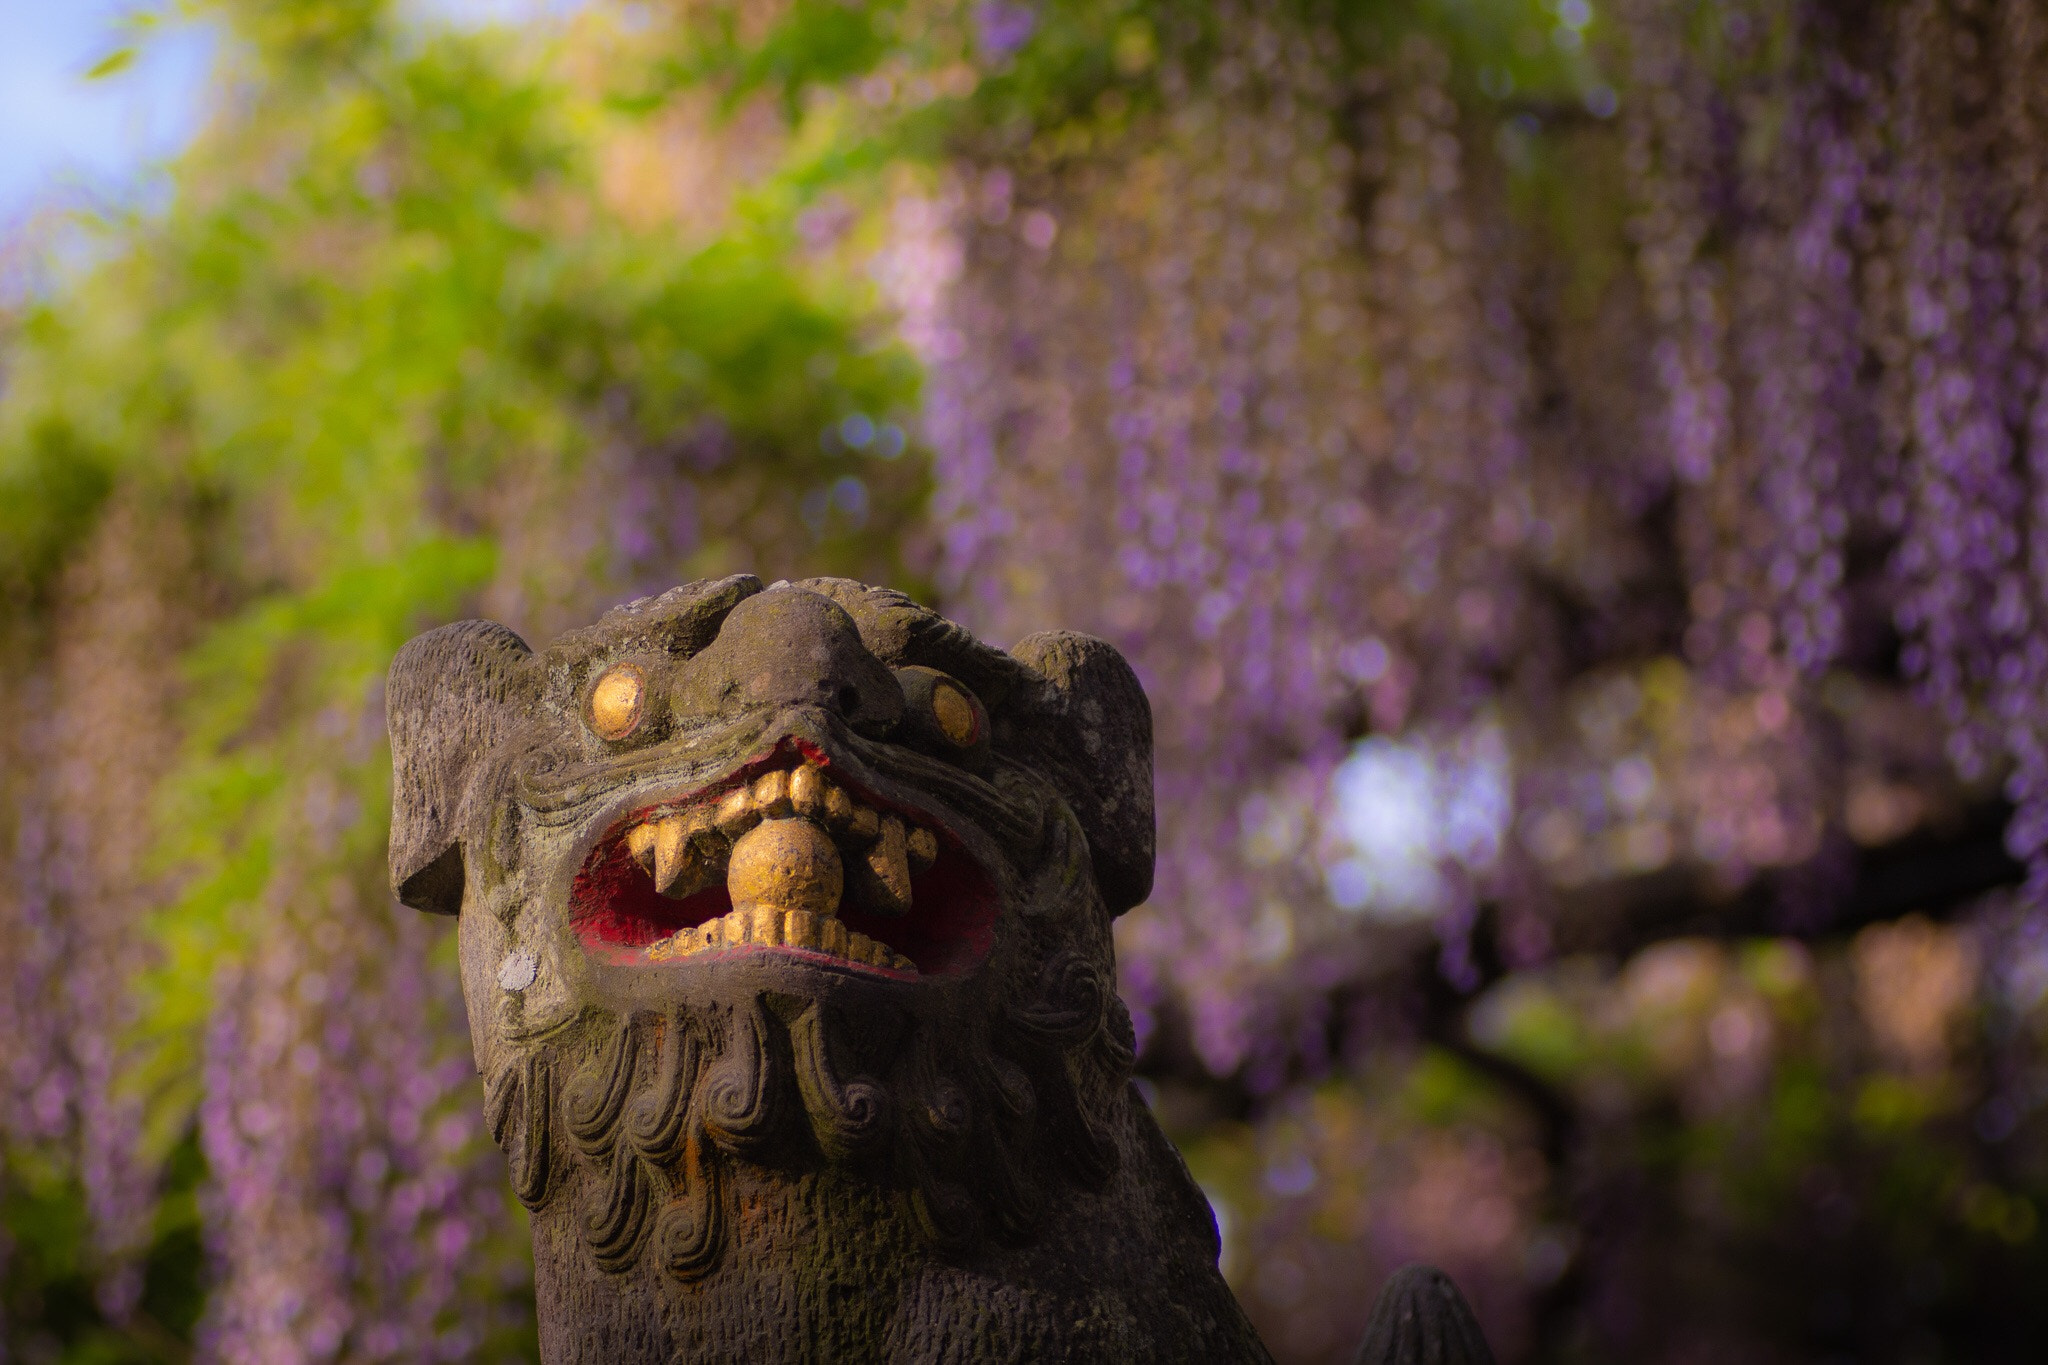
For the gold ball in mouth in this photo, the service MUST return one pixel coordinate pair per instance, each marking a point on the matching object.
(787, 865)
(955, 714)
(617, 700)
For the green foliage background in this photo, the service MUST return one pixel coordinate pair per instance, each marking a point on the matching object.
(385, 291)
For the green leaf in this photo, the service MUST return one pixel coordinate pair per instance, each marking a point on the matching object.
(120, 59)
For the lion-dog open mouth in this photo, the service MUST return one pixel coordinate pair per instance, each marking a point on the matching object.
(788, 855)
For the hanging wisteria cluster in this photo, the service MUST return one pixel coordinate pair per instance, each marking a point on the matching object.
(349, 1172)
(1288, 397)
(350, 1186)
(93, 738)
(1156, 417)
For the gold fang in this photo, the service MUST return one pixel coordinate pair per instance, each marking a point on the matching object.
(615, 703)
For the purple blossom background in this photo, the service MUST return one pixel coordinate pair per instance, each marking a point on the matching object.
(1578, 513)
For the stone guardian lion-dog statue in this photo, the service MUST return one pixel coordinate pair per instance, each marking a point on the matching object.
(785, 937)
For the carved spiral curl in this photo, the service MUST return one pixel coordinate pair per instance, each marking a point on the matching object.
(518, 1107)
(946, 1112)
(940, 1111)
(1067, 1011)
(939, 1124)
(848, 1117)
(615, 1227)
(690, 1232)
(593, 1101)
(655, 1122)
(1012, 1089)
(740, 1099)
(1118, 1041)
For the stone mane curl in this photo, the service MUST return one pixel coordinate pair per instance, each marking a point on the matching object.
(639, 1118)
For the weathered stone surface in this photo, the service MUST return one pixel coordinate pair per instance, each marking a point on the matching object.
(785, 934)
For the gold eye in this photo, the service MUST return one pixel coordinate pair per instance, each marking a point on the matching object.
(953, 709)
(617, 701)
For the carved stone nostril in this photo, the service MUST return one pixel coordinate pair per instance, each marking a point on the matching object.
(787, 865)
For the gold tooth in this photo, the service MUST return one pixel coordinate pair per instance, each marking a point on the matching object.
(864, 824)
(807, 793)
(838, 806)
(882, 874)
(677, 872)
(736, 814)
(702, 833)
(681, 943)
(771, 794)
(766, 927)
(801, 929)
(640, 843)
(923, 848)
(714, 848)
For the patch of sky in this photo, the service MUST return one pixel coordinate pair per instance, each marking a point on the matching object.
(478, 13)
(96, 95)
(76, 136)
(1403, 809)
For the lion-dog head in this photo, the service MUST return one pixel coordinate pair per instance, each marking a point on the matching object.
(801, 885)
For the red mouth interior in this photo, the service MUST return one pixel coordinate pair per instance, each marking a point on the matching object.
(616, 911)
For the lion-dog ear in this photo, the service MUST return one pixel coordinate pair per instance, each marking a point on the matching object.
(1098, 754)
(452, 695)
